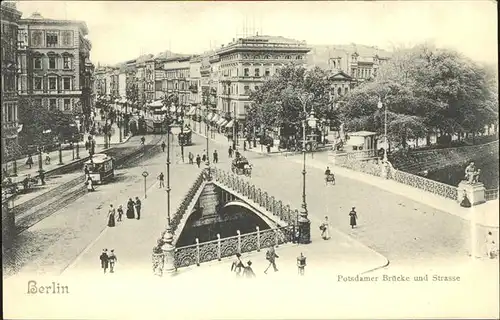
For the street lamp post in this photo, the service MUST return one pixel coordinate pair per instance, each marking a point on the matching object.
(145, 175)
(380, 105)
(303, 220)
(119, 123)
(183, 140)
(60, 154)
(78, 149)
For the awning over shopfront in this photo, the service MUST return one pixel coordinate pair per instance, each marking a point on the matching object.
(215, 118)
(223, 123)
(156, 104)
(221, 120)
(230, 124)
(210, 116)
(191, 111)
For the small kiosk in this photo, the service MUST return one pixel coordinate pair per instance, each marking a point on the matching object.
(362, 144)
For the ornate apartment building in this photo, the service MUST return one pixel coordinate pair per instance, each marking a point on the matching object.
(9, 19)
(177, 77)
(55, 69)
(246, 63)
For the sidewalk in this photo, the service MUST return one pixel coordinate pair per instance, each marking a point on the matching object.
(485, 214)
(68, 157)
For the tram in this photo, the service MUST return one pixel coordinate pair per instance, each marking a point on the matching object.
(101, 168)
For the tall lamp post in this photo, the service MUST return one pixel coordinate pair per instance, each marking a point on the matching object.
(183, 140)
(380, 105)
(303, 221)
(168, 248)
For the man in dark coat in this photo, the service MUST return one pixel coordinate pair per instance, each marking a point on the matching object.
(104, 260)
(216, 156)
(138, 207)
(230, 152)
(198, 160)
(130, 209)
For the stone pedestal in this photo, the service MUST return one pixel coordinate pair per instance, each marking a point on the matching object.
(475, 192)
(209, 200)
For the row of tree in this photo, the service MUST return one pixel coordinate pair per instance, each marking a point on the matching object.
(425, 90)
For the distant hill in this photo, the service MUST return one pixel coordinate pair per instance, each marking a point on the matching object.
(320, 54)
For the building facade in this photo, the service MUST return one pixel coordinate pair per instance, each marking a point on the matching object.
(53, 56)
(177, 78)
(195, 81)
(10, 24)
(246, 63)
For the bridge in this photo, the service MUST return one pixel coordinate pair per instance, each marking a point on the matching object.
(212, 192)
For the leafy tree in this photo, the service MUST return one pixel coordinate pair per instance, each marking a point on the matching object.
(424, 90)
(277, 103)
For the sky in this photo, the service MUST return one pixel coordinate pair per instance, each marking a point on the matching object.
(121, 30)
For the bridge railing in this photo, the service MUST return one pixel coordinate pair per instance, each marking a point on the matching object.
(435, 187)
(354, 163)
(257, 195)
(491, 194)
(198, 253)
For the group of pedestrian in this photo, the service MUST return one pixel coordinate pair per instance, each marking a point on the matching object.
(203, 158)
(108, 260)
(246, 271)
(133, 211)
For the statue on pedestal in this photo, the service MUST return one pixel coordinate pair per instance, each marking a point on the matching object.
(471, 174)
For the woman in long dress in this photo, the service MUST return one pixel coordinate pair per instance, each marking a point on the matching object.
(130, 209)
(325, 229)
(90, 184)
(111, 216)
(353, 216)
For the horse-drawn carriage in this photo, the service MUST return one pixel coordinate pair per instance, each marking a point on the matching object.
(329, 177)
(240, 165)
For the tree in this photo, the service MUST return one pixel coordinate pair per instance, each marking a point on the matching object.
(277, 102)
(424, 90)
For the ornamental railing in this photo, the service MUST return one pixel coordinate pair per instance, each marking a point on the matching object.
(491, 194)
(226, 247)
(186, 201)
(435, 187)
(359, 155)
(357, 165)
(257, 195)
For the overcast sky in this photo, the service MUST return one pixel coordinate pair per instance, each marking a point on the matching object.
(122, 30)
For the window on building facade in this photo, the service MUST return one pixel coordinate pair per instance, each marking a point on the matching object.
(67, 105)
(36, 38)
(52, 83)
(38, 102)
(67, 38)
(346, 91)
(37, 63)
(52, 63)
(339, 91)
(11, 112)
(267, 73)
(10, 83)
(67, 83)
(246, 90)
(246, 72)
(37, 83)
(256, 88)
(66, 63)
(51, 39)
(257, 72)
(288, 57)
(52, 104)
(299, 57)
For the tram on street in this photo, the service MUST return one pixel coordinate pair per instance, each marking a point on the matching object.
(101, 168)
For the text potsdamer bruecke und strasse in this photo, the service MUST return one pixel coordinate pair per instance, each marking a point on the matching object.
(398, 278)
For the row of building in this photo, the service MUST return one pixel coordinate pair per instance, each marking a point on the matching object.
(221, 80)
(45, 62)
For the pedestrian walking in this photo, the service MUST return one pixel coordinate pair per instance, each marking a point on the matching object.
(86, 171)
(120, 213)
(271, 257)
(29, 161)
(237, 265)
(130, 209)
(161, 177)
(163, 145)
(191, 158)
(138, 207)
(104, 260)
(112, 261)
(90, 184)
(111, 216)
(143, 140)
(216, 156)
(268, 148)
(47, 158)
(353, 218)
(230, 152)
(325, 229)
(198, 160)
(301, 264)
(244, 145)
(204, 157)
(248, 271)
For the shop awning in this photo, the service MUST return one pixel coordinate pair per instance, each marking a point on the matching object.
(210, 116)
(191, 111)
(156, 104)
(221, 120)
(215, 118)
(230, 124)
(223, 123)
